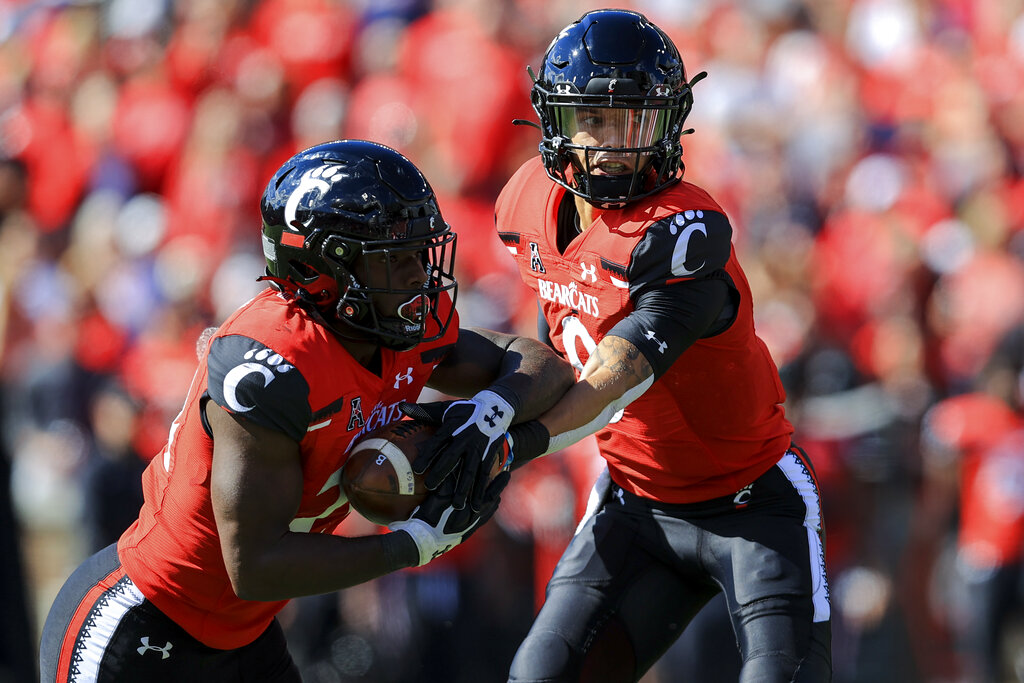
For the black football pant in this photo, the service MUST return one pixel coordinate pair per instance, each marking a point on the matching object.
(638, 571)
(101, 629)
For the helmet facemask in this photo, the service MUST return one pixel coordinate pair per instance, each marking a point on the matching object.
(364, 304)
(612, 149)
(612, 98)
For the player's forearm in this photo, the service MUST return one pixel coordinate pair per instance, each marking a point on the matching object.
(301, 564)
(616, 375)
(536, 375)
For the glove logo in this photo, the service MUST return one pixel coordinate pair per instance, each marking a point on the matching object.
(492, 419)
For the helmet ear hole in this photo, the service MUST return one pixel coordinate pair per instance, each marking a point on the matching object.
(304, 270)
(350, 310)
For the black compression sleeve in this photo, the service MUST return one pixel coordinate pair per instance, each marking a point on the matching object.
(668, 320)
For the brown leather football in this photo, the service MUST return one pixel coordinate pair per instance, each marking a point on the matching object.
(378, 477)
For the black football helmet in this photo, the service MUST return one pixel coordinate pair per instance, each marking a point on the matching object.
(341, 201)
(613, 70)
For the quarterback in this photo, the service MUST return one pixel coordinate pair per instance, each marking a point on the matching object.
(639, 287)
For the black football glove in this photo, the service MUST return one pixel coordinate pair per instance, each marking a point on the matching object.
(471, 436)
(436, 527)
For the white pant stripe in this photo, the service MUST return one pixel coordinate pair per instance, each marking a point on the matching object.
(798, 475)
(101, 623)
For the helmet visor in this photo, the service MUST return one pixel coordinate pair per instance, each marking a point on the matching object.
(613, 127)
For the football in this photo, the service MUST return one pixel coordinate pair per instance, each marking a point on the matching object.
(378, 479)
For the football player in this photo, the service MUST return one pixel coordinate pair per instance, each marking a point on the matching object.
(241, 503)
(639, 287)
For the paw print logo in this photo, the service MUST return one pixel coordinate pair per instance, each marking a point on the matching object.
(263, 362)
(318, 180)
(685, 224)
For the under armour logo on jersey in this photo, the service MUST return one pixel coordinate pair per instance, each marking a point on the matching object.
(661, 345)
(164, 651)
(407, 376)
(492, 419)
(267, 363)
(536, 264)
(586, 272)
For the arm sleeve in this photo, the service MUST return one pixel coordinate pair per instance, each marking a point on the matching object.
(668, 320)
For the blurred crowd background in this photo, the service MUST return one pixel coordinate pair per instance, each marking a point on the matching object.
(870, 154)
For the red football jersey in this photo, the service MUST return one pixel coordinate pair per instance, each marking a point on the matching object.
(714, 421)
(271, 362)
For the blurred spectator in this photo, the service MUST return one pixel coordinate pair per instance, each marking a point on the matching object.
(969, 534)
(113, 471)
(870, 154)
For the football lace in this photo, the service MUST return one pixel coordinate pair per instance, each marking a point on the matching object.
(406, 427)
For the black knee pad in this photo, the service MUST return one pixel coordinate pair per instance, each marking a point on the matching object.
(544, 657)
(547, 657)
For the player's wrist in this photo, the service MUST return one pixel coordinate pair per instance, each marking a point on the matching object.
(530, 440)
(508, 400)
(400, 550)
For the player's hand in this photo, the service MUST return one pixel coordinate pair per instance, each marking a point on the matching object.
(429, 413)
(469, 441)
(436, 527)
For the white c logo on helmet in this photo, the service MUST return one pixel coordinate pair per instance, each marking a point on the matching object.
(234, 378)
(318, 179)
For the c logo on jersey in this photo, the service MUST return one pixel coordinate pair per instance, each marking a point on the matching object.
(679, 254)
(318, 179)
(269, 362)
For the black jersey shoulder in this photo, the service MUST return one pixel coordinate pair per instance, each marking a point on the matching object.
(687, 245)
(252, 380)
